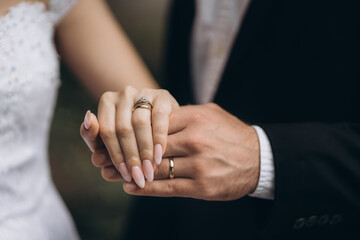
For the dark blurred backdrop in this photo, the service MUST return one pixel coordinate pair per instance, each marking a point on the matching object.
(100, 208)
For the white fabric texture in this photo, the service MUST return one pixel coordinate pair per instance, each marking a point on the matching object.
(30, 207)
(266, 185)
(216, 25)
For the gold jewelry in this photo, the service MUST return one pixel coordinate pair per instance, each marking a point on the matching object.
(142, 102)
(141, 106)
(171, 167)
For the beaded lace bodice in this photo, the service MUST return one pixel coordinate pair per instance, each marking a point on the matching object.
(29, 78)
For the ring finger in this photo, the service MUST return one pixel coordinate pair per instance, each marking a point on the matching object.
(182, 168)
(127, 139)
(141, 122)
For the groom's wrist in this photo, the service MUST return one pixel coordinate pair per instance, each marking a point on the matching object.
(266, 181)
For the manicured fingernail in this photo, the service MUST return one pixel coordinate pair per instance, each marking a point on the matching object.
(138, 176)
(109, 172)
(130, 187)
(148, 170)
(158, 154)
(87, 120)
(125, 172)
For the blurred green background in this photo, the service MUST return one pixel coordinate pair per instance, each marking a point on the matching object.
(100, 208)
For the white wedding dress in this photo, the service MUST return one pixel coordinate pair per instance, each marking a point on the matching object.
(30, 207)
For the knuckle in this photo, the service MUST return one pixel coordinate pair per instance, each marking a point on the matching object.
(140, 120)
(146, 153)
(164, 91)
(212, 105)
(106, 132)
(128, 88)
(197, 116)
(107, 97)
(132, 160)
(161, 110)
(195, 142)
(146, 91)
(128, 91)
(175, 105)
(124, 130)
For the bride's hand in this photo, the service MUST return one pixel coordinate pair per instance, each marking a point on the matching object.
(135, 140)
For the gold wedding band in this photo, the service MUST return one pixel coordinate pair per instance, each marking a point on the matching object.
(145, 106)
(171, 167)
(142, 102)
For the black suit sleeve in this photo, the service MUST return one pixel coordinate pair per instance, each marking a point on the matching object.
(317, 174)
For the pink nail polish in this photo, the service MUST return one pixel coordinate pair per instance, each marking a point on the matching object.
(148, 170)
(138, 176)
(130, 187)
(158, 154)
(125, 172)
(87, 120)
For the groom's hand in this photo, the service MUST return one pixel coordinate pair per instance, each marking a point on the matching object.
(216, 157)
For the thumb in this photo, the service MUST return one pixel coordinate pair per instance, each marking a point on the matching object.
(179, 119)
(89, 131)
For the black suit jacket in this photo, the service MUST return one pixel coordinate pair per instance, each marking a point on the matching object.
(294, 70)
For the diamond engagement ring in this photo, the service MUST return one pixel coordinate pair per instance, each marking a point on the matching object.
(142, 102)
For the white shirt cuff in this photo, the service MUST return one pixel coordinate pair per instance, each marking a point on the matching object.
(266, 185)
